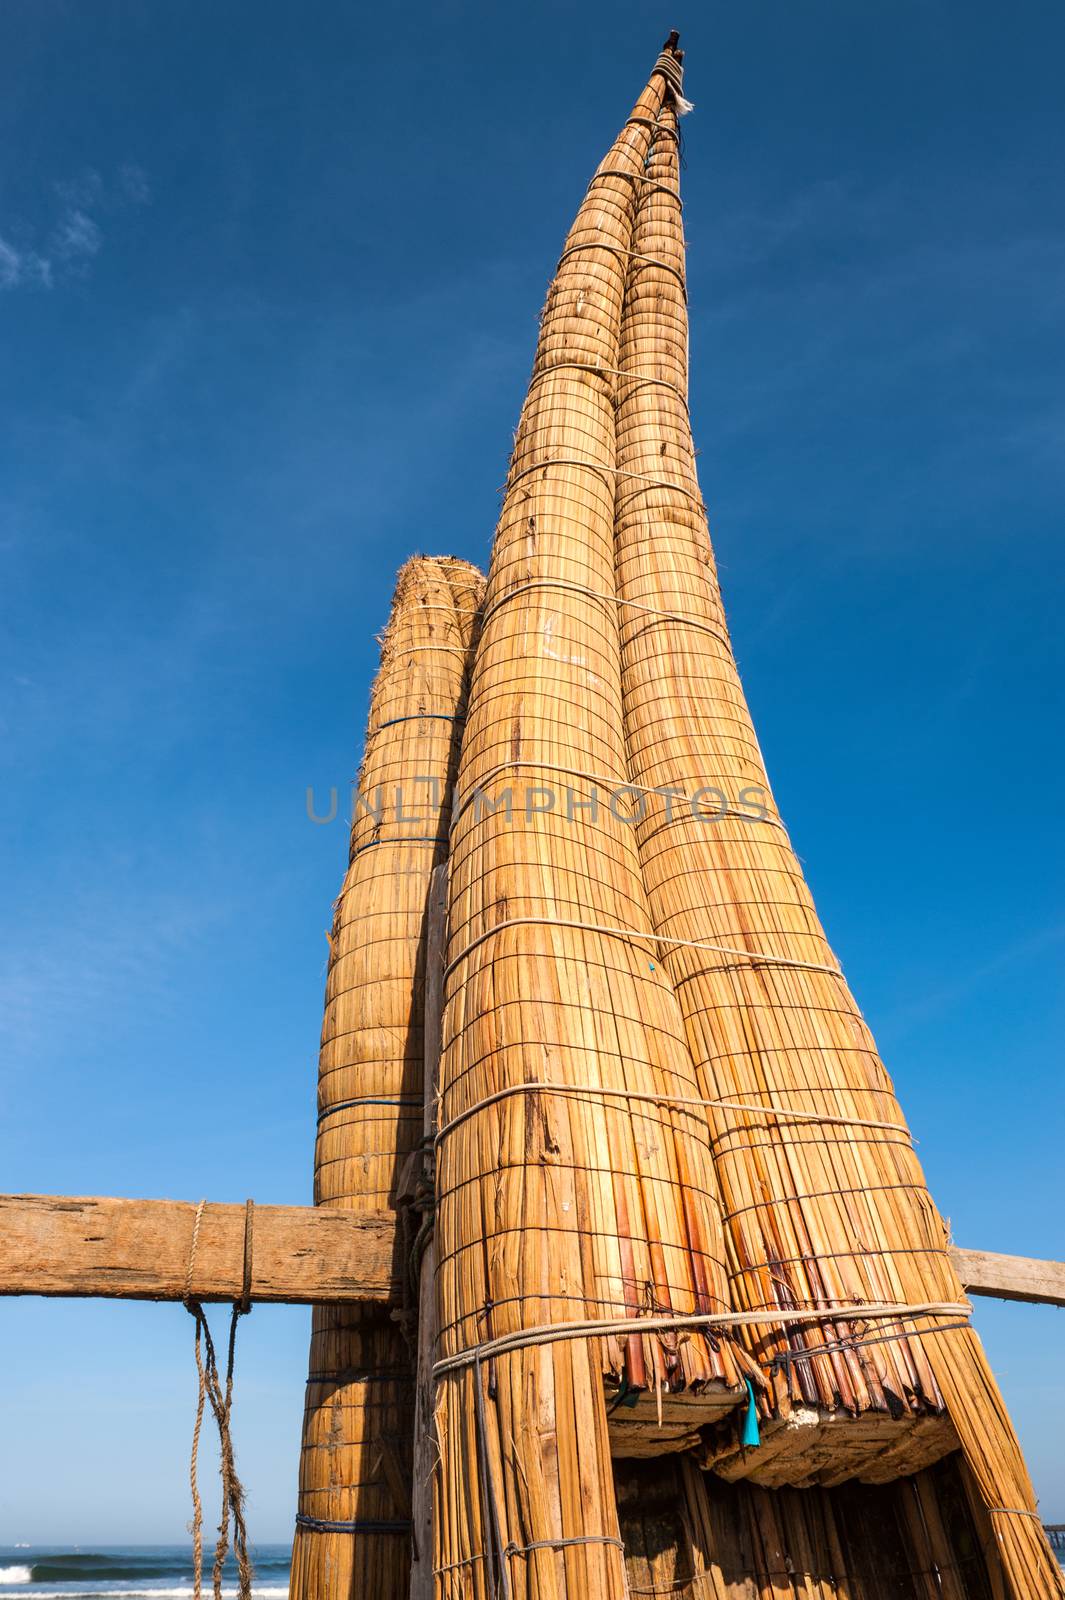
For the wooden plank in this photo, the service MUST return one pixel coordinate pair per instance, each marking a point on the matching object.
(139, 1250)
(1011, 1277)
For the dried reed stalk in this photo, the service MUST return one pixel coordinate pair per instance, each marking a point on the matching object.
(356, 1461)
(997, 1466)
(689, 1536)
(818, 1213)
(554, 1206)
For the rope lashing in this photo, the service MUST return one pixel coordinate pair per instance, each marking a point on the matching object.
(787, 1359)
(211, 1388)
(197, 1220)
(420, 716)
(635, 935)
(670, 65)
(404, 838)
(629, 255)
(597, 370)
(421, 649)
(652, 122)
(358, 1525)
(245, 1287)
(692, 1102)
(637, 177)
(570, 586)
(615, 786)
(197, 1504)
(814, 1256)
(608, 472)
(399, 1102)
(556, 1332)
(670, 68)
(511, 1550)
(347, 1375)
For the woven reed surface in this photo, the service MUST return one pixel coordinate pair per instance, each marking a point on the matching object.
(690, 1537)
(554, 1207)
(815, 1214)
(994, 1457)
(356, 1458)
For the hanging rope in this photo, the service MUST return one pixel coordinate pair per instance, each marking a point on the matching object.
(220, 1395)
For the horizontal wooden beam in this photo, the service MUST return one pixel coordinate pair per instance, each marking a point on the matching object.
(140, 1249)
(1011, 1277)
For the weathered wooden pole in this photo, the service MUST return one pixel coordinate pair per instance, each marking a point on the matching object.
(173, 1250)
(93, 1247)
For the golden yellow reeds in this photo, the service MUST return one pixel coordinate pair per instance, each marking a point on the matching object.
(690, 1536)
(825, 1201)
(657, 1097)
(554, 1205)
(352, 1535)
(817, 1214)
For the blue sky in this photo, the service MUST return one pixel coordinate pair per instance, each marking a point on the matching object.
(269, 278)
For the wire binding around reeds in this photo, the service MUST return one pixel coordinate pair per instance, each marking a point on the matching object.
(689, 1102)
(635, 936)
(554, 1332)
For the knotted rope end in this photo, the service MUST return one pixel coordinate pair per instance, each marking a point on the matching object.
(671, 65)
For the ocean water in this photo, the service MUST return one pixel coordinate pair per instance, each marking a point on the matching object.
(130, 1571)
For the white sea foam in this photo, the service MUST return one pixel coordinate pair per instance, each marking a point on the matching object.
(176, 1592)
(14, 1574)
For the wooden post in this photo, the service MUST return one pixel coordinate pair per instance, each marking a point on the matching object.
(421, 1572)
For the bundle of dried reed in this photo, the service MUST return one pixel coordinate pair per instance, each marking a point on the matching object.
(564, 1191)
(825, 1201)
(641, 1015)
(352, 1535)
(689, 1536)
(818, 1213)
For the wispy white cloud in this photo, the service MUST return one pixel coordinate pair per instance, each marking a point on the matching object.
(87, 189)
(21, 267)
(76, 235)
